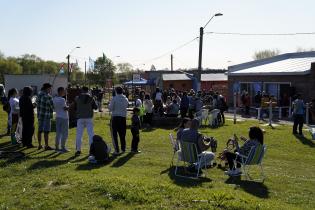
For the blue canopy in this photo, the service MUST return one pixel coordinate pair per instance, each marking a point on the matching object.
(140, 82)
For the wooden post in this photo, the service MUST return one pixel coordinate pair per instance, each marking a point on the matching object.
(270, 113)
(234, 98)
(307, 114)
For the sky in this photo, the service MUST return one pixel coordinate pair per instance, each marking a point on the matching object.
(144, 32)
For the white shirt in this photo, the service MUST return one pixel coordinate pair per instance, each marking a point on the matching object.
(118, 106)
(138, 103)
(14, 105)
(148, 106)
(59, 106)
(158, 96)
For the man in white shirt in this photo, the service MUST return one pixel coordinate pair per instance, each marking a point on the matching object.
(118, 106)
(62, 120)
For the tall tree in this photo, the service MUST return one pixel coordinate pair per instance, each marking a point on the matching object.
(104, 69)
(265, 54)
(124, 72)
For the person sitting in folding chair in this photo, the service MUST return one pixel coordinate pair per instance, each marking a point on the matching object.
(193, 136)
(256, 138)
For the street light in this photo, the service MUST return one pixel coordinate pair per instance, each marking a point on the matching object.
(200, 49)
(68, 57)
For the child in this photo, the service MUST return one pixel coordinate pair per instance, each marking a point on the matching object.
(99, 150)
(14, 113)
(135, 127)
(62, 120)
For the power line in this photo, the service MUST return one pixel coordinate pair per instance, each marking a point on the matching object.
(261, 34)
(170, 51)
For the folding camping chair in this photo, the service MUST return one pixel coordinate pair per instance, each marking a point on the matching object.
(213, 118)
(203, 116)
(175, 147)
(254, 157)
(189, 155)
(312, 132)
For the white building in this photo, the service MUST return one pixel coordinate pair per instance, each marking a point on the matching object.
(19, 81)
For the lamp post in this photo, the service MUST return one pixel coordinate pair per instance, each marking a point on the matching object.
(200, 49)
(68, 57)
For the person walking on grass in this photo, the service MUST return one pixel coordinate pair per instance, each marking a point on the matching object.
(135, 130)
(45, 108)
(298, 114)
(27, 115)
(118, 106)
(84, 105)
(62, 120)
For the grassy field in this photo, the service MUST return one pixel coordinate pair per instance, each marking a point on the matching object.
(49, 180)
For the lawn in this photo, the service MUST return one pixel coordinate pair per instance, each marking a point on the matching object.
(49, 180)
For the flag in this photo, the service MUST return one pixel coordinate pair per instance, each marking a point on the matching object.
(91, 64)
(62, 71)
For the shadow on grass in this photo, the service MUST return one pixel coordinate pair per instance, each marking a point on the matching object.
(49, 163)
(257, 189)
(89, 166)
(148, 129)
(122, 160)
(3, 135)
(305, 141)
(182, 181)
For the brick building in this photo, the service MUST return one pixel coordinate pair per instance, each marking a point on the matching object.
(281, 76)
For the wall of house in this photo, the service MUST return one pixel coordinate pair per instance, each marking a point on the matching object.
(183, 85)
(304, 84)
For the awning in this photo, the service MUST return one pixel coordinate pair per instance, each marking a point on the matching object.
(140, 82)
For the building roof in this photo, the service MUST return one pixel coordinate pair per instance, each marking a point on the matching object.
(172, 77)
(285, 64)
(214, 77)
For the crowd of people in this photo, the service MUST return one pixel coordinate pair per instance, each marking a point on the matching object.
(173, 103)
(168, 103)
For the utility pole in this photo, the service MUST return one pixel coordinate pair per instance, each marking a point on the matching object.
(84, 73)
(172, 62)
(200, 50)
(68, 57)
(200, 58)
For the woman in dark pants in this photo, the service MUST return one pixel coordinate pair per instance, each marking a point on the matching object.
(27, 115)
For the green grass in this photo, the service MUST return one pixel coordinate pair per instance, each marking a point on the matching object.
(48, 180)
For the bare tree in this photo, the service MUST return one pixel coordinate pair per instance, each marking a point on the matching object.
(265, 54)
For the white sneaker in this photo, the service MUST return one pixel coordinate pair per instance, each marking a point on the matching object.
(233, 172)
(228, 172)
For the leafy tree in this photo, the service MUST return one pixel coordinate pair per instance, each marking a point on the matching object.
(265, 54)
(8, 67)
(104, 69)
(124, 72)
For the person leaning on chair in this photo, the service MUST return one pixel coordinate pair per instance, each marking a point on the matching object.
(193, 136)
(256, 137)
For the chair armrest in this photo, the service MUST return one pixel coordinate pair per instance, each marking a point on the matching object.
(238, 154)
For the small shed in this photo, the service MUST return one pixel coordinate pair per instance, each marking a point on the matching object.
(217, 82)
(180, 82)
